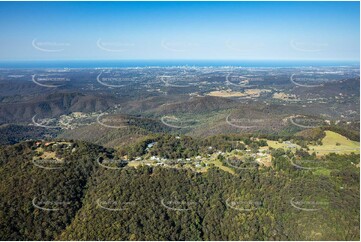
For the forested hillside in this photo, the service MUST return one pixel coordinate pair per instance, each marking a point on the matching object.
(78, 199)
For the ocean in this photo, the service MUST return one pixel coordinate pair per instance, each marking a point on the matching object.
(169, 63)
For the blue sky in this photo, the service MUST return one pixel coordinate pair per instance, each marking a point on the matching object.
(180, 30)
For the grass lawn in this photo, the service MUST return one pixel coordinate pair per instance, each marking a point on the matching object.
(219, 164)
(276, 145)
(346, 146)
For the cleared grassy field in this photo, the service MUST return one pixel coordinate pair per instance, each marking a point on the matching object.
(336, 143)
(219, 164)
(245, 93)
(331, 143)
(226, 94)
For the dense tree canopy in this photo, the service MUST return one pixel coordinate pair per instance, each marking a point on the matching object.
(84, 201)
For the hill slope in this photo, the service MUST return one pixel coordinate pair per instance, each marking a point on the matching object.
(76, 198)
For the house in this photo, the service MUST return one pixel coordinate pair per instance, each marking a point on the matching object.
(154, 158)
(150, 145)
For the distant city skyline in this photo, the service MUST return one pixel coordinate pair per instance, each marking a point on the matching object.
(180, 31)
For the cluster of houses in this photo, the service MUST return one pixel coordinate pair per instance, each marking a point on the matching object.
(158, 161)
